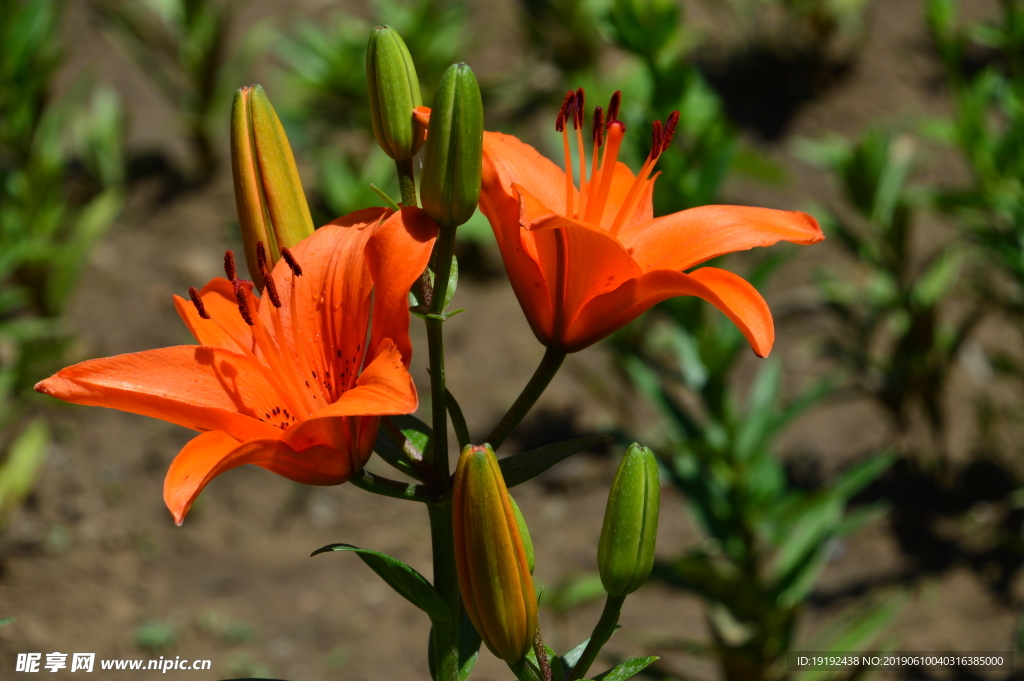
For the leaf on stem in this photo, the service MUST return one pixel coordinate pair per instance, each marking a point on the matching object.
(458, 420)
(403, 441)
(519, 468)
(627, 669)
(410, 584)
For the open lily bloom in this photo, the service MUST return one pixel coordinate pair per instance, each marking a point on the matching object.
(294, 381)
(585, 262)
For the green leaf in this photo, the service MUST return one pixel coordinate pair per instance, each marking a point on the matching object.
(573, 656)
(24, 460)
(406, 581)
(627, 669)
(403, 441)
(7, 621)
(469, 646)
(519, 468)
(453, 283)
(458, 419)
(390, 202)
(856, 630)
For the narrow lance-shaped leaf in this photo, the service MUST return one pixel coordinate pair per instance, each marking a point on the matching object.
(409, 583)
(519, 468)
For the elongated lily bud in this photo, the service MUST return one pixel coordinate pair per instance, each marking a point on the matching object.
(491, 557)
(271, 205)
(625, 554)
(450, 185)
(394, 93)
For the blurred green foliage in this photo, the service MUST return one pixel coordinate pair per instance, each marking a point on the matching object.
(767, 539)
(61, 186)
(326, 102)
(183, 47)
(893, 333)
(985, 72)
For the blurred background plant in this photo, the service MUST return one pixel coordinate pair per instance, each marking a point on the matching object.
(767, 534)
(184, 47)
(61, 187)
(893, 330)
(323, 86)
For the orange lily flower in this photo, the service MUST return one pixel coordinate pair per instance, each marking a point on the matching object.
(584, 262)
(287, 381)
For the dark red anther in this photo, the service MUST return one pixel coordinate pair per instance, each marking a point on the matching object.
(270, 288)
(598, 126)
(657, 136)
(229, 265)
(565, 111)
(670, 130)
(613, 106)
(243, 303)
(577, 121)
(261, 257)
(193, 293)
(292, 263)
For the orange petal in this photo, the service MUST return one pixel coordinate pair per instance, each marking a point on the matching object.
(218, 298)
(397, 254)
(597, 262)
(329, 311)
(384, 387)
(730, 293)
(194, 386)
(508, 160)
(210, 454)
(518, 251)
(688, 238)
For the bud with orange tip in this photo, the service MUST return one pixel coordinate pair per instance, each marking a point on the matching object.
(491, 557)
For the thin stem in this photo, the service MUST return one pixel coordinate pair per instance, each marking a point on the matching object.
(407, 182)
(534, 389)
(446, 637)
(446, 581)
(602, 632)
(387, 487)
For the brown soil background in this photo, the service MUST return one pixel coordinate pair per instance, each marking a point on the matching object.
(95, 554)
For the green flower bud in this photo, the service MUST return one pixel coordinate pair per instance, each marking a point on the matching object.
(625, 554)
(524, 532)
(450, 183)
(491, 558)
(268, 192)
(394, 93)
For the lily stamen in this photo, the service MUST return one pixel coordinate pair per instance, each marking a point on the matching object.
(229, 265)
(290, 259)
(563, 114)
(658, 145)
(193, 293)
(616, 131)
(577, 124)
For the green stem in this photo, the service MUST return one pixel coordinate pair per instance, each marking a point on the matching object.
(446, 581)
(520, 408)
(446, 636)
(407, 182)
(602, 632)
